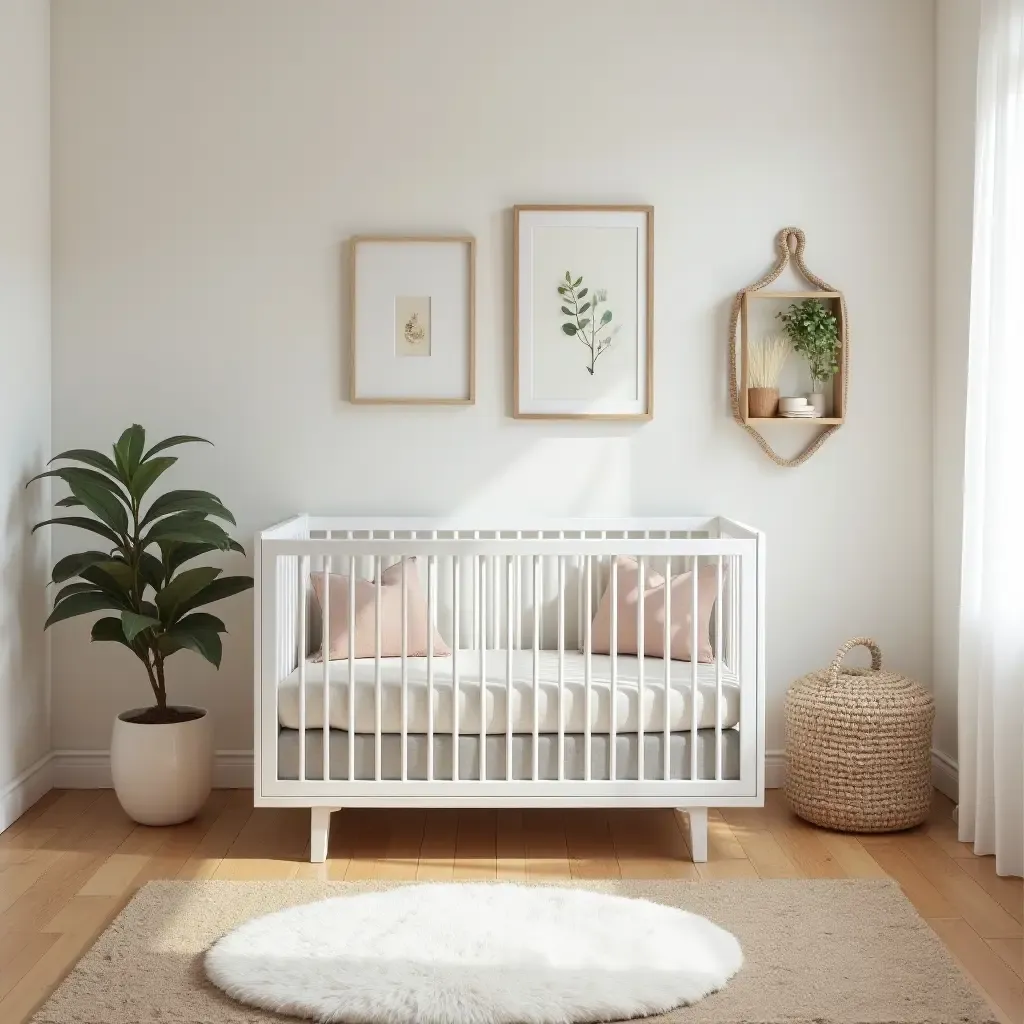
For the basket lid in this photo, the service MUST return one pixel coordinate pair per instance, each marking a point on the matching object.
(872, 689)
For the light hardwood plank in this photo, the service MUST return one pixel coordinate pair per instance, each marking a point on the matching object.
(1011, 952)
(928, 901)
(19, 952)
(852, 858)
(437, 851)
(764, 852)
(962, 892)
(476, 856)
(588, 840)
(213, 847)
(1007, 892)
(510, 846)
(1003, 988)
(547, 855)
(726, 870)
(400, 856)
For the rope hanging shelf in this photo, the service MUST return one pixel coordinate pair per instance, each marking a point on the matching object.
(790, 244)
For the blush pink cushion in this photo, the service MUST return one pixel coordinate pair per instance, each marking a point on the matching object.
(681, 628)
(390, 615)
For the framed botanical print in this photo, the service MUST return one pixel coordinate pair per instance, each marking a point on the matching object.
(412, 311)
(583, 309)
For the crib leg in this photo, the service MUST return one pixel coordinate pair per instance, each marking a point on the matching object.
(319, 833)
(698, 833)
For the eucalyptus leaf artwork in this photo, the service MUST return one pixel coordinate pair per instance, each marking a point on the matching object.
(586, 321)
(137, 572)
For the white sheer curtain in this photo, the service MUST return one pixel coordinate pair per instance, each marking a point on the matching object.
(991, 678)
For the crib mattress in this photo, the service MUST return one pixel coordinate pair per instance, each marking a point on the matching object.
(626, 748)
(629, 713)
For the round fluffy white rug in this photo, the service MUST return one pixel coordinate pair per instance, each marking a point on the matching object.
(474, 954)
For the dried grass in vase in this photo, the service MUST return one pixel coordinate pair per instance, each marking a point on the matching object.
(765, 360)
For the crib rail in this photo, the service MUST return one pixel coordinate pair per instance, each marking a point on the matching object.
(516, 608)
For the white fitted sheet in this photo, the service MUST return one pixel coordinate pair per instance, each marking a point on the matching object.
(627, 703)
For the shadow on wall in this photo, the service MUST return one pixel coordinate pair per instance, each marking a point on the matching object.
(24, 696)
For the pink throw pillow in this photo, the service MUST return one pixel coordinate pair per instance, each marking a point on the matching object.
(390, 615)
(654, 613)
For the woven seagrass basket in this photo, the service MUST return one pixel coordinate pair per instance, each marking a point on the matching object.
(858, 746)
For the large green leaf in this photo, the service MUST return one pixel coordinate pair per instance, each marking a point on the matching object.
(182, 587)
(170, 442)
(202, 620)
(225, 586)
(81, 604)
(205, 642)
(128, 451)
(146, 475)
(189, 529)
(72, 565)
(110, 629)
(73, 588)
(83, 524)
(117, 585)
(90, 458)
(133, 624)
(69, 502)
(101, 502)
(75, 474)
(569, 328)
(175, 554)
(198, 502)
(151, 569)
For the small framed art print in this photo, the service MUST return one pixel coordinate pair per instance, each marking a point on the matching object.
(583, 308)
(412, 310)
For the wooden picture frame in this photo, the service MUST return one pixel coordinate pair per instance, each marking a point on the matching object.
(626, 391)
(428, 284)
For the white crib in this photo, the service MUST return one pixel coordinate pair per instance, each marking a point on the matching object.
(523, 713)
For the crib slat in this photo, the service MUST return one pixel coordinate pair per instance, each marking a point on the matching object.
(303, 575)
(480, 616)
(519, 596)
(587, 668)
(614, 603)
(666, 653)
(694, 663)
(351, 666)
(509, 604)
(456, 615)
(405, 672)
(431, 615)
(327, 671)
(718, 670)
(536, 667)
(640, 664)
(561, 667)
(377, 570)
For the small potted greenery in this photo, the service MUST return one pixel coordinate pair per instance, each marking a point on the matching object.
(814, 331)
(161, 756)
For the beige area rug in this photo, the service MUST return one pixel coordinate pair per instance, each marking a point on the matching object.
(817, 952)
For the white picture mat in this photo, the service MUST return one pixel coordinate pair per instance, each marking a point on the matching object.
(385, 270)
(538, 313)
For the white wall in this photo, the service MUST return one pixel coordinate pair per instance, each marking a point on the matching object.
(956, 60)
(24, 396)
(211, 158)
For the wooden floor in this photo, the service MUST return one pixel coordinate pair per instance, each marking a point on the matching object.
(73, 861)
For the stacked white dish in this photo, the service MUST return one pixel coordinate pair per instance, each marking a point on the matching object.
(796, 408)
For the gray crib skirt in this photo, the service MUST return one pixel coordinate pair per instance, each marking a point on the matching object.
(626, 748)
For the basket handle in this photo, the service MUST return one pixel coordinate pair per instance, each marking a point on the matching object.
(857, 641)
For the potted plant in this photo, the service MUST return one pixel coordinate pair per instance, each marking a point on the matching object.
(161, 757)
(814, 331)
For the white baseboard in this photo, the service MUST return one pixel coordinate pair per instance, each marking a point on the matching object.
(21, 793)
(232, 769)
(90, 769)
(946, 775)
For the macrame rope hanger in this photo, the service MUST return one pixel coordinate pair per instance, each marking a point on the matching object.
(790, 243)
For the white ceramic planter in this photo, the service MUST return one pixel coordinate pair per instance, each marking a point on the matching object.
(818, 401)
(162, 773)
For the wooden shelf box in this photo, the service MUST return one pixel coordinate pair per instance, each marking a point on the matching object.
(752, 301)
